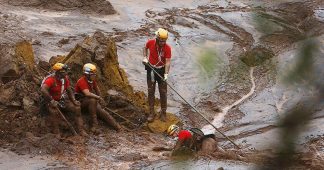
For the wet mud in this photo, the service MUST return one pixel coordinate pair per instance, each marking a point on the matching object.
(252, 42)
(100, 7)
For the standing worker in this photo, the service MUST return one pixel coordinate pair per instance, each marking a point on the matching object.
(88, 93)
(158, 58)
(53, 89)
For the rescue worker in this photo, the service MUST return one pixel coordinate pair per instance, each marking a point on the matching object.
(157, 55)
(58, 96)
(192, 139)
(88, 94)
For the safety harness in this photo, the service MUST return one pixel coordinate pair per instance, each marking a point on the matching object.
(160, 54)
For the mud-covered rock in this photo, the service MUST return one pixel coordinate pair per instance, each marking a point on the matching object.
(256, 56)
(102, 51)
(158, 126)
(15, 60)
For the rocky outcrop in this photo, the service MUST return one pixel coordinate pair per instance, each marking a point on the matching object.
(19, 91)
(15, 60)
(102, 51)
(21, 78)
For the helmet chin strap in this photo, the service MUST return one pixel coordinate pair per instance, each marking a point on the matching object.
(88, 78)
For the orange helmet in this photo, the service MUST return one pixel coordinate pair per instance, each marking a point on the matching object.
(59, 66)
(161, 33)
(89, 69)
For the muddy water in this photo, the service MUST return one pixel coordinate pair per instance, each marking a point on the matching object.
(201, 165)
(261, 108)
(219, 118)
(10, 160)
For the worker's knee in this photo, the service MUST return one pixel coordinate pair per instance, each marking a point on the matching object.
(92, 102)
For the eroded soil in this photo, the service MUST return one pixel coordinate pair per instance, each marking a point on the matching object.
(226, 29)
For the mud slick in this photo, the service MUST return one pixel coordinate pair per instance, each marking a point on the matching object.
(100, 7)
(113, 41)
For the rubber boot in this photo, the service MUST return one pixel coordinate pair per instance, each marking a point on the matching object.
(163, 115)
(151, 100)
(56, 130)
(163, 100)
(80, 129)
(94, 124)
(109, 119)
(54, 122)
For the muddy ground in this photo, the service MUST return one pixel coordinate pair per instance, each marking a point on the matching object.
(251, 44)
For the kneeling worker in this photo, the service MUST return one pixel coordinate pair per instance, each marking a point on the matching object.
(89, 96)
(192, 139)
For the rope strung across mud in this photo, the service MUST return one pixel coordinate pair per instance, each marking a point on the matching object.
(195, 108)
(218, 119)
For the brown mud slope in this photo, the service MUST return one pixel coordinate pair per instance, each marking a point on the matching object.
(101, 7)
(21, 78)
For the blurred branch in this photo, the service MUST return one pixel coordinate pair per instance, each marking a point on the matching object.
(303, 73)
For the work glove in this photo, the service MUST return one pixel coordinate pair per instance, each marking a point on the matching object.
(77, 103)
(54, 103)
(145, 61)
(165, 77)
(102, 102)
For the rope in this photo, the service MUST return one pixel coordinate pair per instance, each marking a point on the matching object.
(195, 109)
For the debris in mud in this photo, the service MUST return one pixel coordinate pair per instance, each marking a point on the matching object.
(184, 22)
(100, 7)
(256, 56)
(131, 157)
(47, 144)
(63, 41)
(19, 97)
(19, 87)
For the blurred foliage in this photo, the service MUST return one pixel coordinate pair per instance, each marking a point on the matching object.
(298, 116)
(208, 62)
(303, 70)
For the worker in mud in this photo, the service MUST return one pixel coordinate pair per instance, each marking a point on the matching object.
(192, 140)
(88, 93)
(58, 96)
(157, 56)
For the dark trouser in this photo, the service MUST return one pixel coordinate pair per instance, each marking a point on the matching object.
(65, 106)
(151, 89)
(94, 109)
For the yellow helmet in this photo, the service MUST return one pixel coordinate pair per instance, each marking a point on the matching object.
(172, 129)
(89, 68)
(59, 66)
(161, 33)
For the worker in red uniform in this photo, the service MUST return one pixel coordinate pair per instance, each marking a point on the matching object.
(157, 56)
(194, 140)
(89, 95)
(57, 96)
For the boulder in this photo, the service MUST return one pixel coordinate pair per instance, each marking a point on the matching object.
(158, 126)
(101, 51)
(15, 60)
